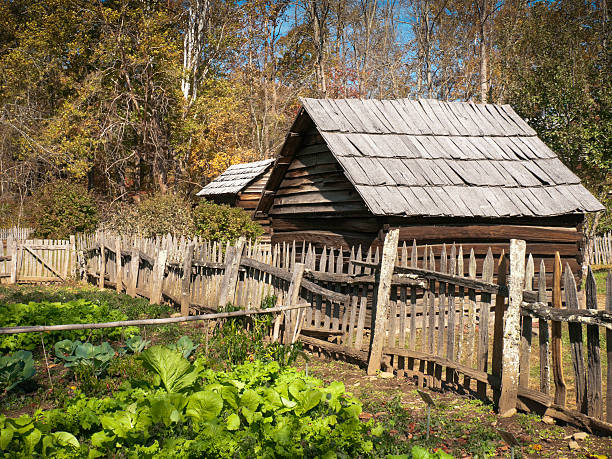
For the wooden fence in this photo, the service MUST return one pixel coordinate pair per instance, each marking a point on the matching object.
(16, 232)
(602, 250)
(37, 260)
(498, 335)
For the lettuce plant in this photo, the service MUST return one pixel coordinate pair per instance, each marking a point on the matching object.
(15, 369)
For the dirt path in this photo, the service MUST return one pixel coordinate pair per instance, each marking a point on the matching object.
(461, 426)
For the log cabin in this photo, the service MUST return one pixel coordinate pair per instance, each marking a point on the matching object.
(441, 172)
(241, 186)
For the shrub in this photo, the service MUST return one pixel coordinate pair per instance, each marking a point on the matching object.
(224, 223)
(63, 208)
(158, 214)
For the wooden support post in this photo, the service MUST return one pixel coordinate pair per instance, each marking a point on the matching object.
(379, 315)
(134, 267)
(230, 276)
(119, 266)
(512, 330)
(72, 258)
(101, 264)
(186, 280)
(557, 346)
(544, 335)
(293, 296)
(594, 384)
(498, 326)
(575, 336)
(11, 250)
(157, 278)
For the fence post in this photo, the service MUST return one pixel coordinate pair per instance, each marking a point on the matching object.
(230, 276)
(72, 259)
(379, 309)
(186, 280)
(512, 330)
(11, 250)
(119, 266)
(157, 278)
(293, 295)
(101, 264)
(134, 267)
(498, 327)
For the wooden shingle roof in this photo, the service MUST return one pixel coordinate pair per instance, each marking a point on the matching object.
(433, 158)
(236, 178)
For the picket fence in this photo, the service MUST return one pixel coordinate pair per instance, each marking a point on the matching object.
(405, 310)
(602, 249)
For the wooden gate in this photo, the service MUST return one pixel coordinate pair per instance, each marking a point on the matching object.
(42, 260)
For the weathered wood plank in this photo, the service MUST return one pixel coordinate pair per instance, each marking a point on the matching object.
(526, 329)
(512, 330)
(594, 392)
(609, 347)
(557, 346)
(575, 336)
(382, 299)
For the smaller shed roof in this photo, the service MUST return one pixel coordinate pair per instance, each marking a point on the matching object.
(236, 178)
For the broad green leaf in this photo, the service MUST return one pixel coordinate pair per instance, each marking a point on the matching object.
(175, 372)
(419, 452)
(204, 406)
(6, 435)
(309, 399)
(66, 439)
(250, 399)
(233, 422)
(31, 440)
(99, 439)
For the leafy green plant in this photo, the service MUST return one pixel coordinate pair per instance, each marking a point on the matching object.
(85, 355)
(172, 369)
(135, 345)
(62, 208)
(56, 313)
(184, 345)
(224, 223)
(258, 409)
(15, 369)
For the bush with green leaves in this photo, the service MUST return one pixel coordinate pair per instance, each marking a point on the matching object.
(134, 345)
(16, 369)
(47, 313)
(255, 410)
(62, 208)
(224, 223)
(76, 354)
(158, 214)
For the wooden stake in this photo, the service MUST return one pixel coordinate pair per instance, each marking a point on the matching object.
(157, 277)
(498, 326)
(134, 268)
(230, 277)
(512, 330)
(186, 280)
(557, 346)
(293, 296)
(119, 266)
(382, 300)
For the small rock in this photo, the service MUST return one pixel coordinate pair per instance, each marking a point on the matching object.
(573, 445)
(386, 375)
(548, 420)
(580, 436)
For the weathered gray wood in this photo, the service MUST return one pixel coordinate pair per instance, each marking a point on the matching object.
(118, 266)
(186, 279)
(71, 260)
(544, 335)
(609, 347)
(11, 248)
(382, 299)
(157, 277)
(230, 276)
(483, 323)
(450, 340)
(557, 345)
(146, 322)
(101, 264)
(526, 329)
(498, 326)
(134, 268)
(512, 330)
(470, 348)
(293, 296)
(594, 392)
(43, 261)
(575, 336)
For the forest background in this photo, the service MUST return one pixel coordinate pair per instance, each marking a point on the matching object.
(128, 98)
